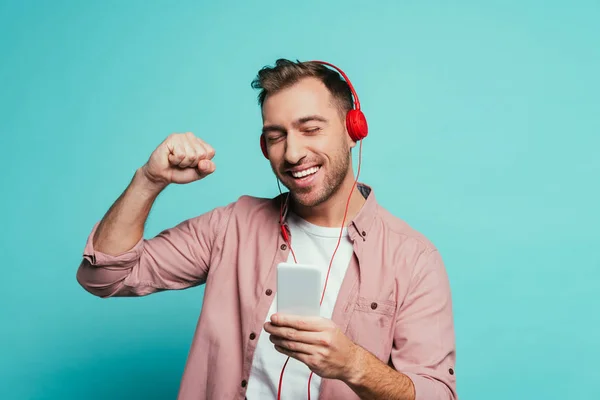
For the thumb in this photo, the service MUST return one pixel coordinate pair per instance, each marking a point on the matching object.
(205, 167)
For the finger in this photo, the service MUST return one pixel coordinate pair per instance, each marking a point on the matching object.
(298, 356)
(176, 153)
(313, 324)
(191, 142)
(297, 347)
(191, 155)
(210, 152)
(291, 334)
(190, 158)
(207, 151)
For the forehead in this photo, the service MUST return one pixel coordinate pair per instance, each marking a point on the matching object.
(308, 96)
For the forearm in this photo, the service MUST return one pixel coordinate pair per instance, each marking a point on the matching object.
(123, 225)
(372, 379)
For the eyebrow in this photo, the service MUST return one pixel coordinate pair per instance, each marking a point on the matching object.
(299, 121)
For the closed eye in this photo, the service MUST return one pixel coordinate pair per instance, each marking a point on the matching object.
(311, 129)
(274, 136)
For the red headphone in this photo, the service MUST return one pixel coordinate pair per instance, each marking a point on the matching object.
(356, 123)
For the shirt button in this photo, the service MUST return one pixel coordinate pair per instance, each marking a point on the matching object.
(269, 292)
(451, 371)
(373, 305)
(364, 233)
(244, 383)
(283, 246)
(252, 336)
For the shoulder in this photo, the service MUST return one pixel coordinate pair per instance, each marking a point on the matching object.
(417, 262)
(410, 250)
(246, 214)
(244, 208)
(403, 232)
(252, 206)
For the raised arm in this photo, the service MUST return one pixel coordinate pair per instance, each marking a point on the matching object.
(119, 262)
(181, 158)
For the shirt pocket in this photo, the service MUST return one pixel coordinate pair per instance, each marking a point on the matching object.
(376, 306)
(372, 325)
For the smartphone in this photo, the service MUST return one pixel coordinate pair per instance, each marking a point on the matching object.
(298, 289)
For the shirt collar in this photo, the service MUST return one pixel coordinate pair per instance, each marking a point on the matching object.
(363, 221)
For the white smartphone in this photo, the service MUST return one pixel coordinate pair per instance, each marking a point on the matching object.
(298, 289)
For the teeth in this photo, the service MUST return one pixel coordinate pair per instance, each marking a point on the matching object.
(306, 172)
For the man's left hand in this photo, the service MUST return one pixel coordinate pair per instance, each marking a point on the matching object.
(317, 342)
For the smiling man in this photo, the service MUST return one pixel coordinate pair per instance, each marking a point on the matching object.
(386, 328)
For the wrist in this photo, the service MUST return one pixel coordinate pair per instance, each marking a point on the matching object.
(146, 185)
(356, 367)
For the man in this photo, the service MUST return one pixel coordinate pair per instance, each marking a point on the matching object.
(386, 326)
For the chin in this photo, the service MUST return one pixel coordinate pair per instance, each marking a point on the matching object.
(311, 198)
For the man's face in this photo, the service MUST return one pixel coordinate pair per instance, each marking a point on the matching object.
(307, 142)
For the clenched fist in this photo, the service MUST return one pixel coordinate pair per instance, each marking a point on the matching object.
(181, 158)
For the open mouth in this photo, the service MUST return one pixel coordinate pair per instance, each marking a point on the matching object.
(304, 173)
(305, 177)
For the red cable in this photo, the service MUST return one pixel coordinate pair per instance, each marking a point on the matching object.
(281, 379)
(296, 261)
(330, 263)
(339, 240)
(343, 222)
(309, 378)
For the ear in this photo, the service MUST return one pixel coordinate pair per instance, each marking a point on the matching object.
(349, 141)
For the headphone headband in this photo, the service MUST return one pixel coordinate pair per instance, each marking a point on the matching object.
(356, 101)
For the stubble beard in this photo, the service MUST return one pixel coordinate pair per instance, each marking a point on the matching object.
(332, 182)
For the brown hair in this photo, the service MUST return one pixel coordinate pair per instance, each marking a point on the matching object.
(285, 73)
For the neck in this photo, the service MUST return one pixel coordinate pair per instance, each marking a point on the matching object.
(330, 213)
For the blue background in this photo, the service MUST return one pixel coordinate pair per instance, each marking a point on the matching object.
(484, 135)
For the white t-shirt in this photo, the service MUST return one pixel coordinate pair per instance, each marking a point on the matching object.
(314, 245)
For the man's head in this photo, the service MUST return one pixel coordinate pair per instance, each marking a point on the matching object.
(304, 108)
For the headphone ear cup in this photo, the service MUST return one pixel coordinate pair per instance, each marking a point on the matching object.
(356, 123)
(263, 146)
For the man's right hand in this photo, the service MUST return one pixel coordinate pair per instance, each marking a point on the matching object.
(181, 158)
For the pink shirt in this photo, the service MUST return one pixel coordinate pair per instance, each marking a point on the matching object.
(394, 301)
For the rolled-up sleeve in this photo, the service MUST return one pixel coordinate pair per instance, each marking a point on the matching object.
(176, 258)
(424, 340)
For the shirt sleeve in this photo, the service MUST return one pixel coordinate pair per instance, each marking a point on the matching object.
(176, 258)
(424, 340)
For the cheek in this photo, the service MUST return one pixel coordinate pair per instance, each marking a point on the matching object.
(276, 156)
(336, 152)
(328, 150)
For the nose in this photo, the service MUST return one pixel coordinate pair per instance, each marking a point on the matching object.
(294, 149)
